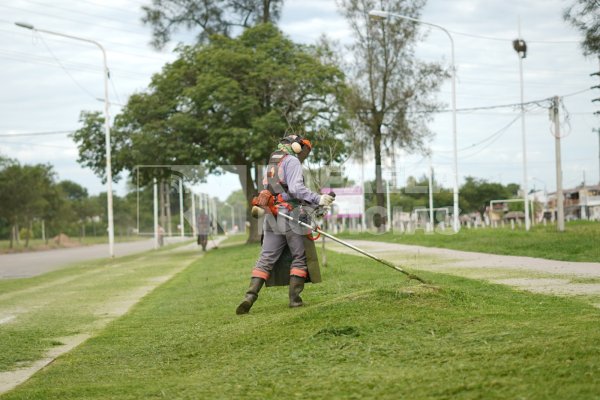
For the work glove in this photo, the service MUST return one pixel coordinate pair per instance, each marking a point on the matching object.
(326, 200)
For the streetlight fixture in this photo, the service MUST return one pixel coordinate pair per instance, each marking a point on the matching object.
(111, 230)
(520, 47)
(386, 14)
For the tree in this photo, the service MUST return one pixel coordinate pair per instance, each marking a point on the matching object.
(226, 103)
(476, 194)
(585, 16)
(78, 200)
(26, 192)
(389, 84)
(206, 17)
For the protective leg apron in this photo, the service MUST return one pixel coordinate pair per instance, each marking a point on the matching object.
(277, 233)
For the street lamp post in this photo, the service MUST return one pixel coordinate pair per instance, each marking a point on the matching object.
(521, 48)
(111, 230)
(385, 14)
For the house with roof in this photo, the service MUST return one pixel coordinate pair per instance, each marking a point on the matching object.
(581, 202)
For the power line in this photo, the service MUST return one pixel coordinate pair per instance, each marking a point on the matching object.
(511, 39)
(42, 60)
(78, 21)
(8, 135)
(123, 45)
(64, 69)
(35, 144)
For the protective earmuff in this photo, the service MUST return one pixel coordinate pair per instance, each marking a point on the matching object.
(297, 147)
(297, 143)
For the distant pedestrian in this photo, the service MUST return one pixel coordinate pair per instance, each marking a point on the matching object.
(203, 229)
(160, 232)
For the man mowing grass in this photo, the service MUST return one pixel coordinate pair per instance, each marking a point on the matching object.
(284, 190)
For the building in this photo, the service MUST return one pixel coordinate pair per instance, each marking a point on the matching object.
(582, 202)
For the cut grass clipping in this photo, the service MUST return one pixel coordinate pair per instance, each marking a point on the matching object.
(366, 332)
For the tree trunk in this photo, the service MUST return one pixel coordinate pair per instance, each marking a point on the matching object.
(12, 236)
(266, 17)
(250, 191)
(17, 235)
(379, 194)
(28, 235)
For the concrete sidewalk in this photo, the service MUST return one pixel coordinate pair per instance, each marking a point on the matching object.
(528, 273)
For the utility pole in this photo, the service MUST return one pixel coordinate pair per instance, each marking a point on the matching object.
(598, 132)
(431, 223)
(597, 113)
(181, 220)
(155, 213)
(560, 223)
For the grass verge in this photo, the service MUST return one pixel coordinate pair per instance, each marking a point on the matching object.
(75, 300)
(366, 333)
(579, 242)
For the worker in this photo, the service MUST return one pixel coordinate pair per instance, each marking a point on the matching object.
(285, 189)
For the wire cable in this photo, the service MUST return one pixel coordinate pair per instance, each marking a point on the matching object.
(35, 144)
(9, 135)
(511, 39)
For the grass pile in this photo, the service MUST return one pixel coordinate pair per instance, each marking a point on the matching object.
(579, 242)
(365, 333)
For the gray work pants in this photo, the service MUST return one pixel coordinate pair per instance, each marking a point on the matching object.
(277, 234)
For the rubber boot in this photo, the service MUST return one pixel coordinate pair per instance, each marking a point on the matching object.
(296, 287)
(251, 295)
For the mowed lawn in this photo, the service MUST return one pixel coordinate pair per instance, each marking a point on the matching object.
(366, 333)
(579, 242)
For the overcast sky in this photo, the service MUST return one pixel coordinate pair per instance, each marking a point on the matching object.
(47, 81)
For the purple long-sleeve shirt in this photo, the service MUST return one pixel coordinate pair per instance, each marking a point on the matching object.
(291, 174)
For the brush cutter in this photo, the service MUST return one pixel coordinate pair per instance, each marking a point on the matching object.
(304, 221)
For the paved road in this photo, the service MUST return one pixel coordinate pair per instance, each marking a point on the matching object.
(24, 265)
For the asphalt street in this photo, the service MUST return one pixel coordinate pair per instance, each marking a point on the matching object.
(24, 265)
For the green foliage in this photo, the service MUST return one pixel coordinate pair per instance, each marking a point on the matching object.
(91, 143)
(388, 82)
(28, 192)
(206, 18)
(366, 333)
(226, 103)
(585, 16)
(476, 194)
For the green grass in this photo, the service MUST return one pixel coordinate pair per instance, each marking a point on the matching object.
(70, 301)
(366, 333)
(579, 242)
